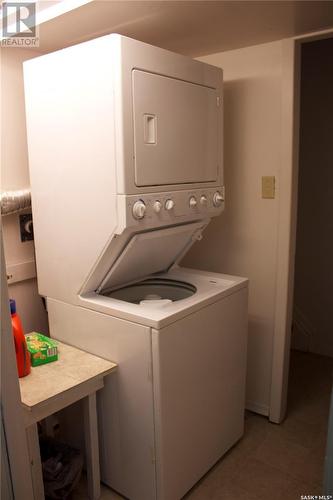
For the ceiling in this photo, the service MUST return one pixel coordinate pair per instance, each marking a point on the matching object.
(192, 28)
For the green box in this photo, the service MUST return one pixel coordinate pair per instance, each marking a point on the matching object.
(42, 349)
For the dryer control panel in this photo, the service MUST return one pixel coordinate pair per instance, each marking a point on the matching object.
(170, 207)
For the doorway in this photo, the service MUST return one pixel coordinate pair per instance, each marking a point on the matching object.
(292, 135)
(313, 297)
(311, 360)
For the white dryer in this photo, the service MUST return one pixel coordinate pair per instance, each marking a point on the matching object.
(125, 154)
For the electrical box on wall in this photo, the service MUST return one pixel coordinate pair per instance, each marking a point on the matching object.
(26, 227)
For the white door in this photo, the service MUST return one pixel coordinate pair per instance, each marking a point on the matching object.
(175, 131)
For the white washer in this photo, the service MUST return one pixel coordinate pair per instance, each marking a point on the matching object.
(176, 403)
(126, 170)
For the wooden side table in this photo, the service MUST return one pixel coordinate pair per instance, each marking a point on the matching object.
(50, 388)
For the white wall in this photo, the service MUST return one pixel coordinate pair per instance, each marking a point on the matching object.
(15, 175)
(243, 241)
(313, 299)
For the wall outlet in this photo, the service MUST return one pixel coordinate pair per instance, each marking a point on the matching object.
(26, 227)
(268, 187)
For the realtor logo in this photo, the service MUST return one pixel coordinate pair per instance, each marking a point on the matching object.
(18, 24)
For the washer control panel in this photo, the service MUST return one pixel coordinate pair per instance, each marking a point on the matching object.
(218, 199)
(139, 209)
(169, 204)
(192, 202)
(172, 207)
(157, 206)
(203, 200)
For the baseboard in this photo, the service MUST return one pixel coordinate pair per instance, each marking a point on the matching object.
(257, 408)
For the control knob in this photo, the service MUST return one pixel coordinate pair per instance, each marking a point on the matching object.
(139, 209)
(157, 206)
(217, 199)
(169, 204)
(193, 202)
(203, 200)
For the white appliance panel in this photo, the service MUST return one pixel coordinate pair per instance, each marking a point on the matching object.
(199, 390)
(175, 131)
(125, 404)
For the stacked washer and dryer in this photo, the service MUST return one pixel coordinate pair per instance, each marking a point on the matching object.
(125, 153)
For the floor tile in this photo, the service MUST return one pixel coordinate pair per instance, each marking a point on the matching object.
(263, 480)
(228, 491)
(289, 457)
(306, 434)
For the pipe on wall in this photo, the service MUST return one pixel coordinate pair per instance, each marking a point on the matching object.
(15, 201)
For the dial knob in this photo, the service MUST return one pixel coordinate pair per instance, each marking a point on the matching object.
(169, 204)
(139, 209)
(193, 202)
(157, 206)
(217, 199)
(203, 200)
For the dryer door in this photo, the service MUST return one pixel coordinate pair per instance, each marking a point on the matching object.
(176, 127)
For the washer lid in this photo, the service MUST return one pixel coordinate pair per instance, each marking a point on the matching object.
(150, 252)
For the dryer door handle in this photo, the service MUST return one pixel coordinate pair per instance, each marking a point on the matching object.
(149, 129)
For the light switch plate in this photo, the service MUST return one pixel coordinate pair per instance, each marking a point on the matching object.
(268, 187)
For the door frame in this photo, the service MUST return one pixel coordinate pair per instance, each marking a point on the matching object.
(287, 218)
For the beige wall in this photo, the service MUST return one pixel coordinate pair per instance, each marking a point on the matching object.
(243, 241)
(15, 175)
(314, 246)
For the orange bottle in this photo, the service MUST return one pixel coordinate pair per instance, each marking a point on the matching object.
(22, 354)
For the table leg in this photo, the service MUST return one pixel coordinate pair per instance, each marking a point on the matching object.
(35, 462)
(91, 441)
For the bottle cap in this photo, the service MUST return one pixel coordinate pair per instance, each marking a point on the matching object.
(12, 306)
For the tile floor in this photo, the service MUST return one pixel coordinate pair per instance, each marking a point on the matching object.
(273, 462)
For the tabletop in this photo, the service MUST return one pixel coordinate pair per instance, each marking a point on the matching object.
(73, 367)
